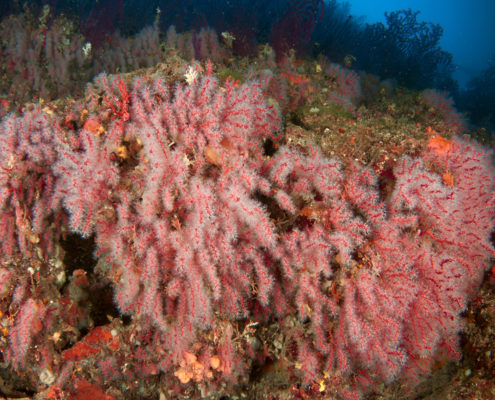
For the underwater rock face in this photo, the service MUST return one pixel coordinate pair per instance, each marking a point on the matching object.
(266, 227)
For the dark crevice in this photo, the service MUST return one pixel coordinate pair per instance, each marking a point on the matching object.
(78, 253)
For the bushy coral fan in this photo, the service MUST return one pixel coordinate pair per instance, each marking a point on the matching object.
(406, 49)
(27, 146)
(198, 227)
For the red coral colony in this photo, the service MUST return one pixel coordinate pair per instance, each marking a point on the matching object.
(171, 237)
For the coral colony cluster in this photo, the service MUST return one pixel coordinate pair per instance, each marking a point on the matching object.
(210, 230)
(198, 229)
